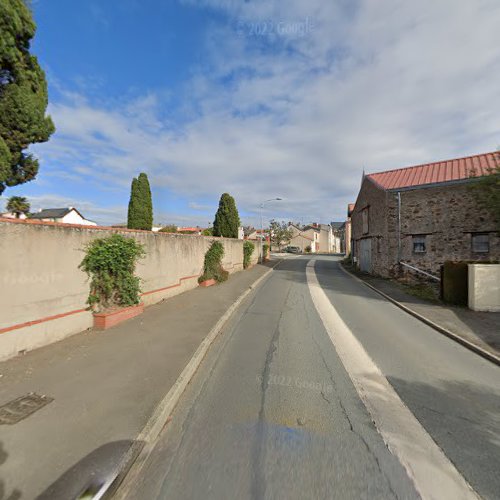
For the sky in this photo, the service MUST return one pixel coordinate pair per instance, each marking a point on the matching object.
(259, 98)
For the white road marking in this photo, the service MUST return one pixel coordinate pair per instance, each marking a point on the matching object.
(433, 475)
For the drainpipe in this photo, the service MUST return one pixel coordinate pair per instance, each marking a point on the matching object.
(399, 227)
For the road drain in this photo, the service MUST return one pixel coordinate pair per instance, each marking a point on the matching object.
(18, 409)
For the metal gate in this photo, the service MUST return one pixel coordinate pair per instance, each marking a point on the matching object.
(365, 255)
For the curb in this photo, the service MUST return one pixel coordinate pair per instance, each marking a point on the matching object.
(464, 342)
(130, 466)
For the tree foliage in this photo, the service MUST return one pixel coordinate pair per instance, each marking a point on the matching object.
(227, 219)
(23, 96)
(110, 264)
(280, 232)
(248, 248)
(265, 252)
(170, 228)
(18, 205)
(487, 191)
(140, 207)
(212, 266)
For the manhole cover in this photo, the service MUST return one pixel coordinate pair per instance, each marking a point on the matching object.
(18, 409)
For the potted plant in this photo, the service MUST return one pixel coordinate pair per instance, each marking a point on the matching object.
(114, 289)
(213, 271)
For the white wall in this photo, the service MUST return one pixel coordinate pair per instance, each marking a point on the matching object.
(74, 218)
(484, 287)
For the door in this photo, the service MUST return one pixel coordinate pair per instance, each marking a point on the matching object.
(365, 255)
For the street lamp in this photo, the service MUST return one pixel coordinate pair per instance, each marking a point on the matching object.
(261, 206)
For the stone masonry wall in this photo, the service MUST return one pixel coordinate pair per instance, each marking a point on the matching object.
(375, 199)
(447, 215)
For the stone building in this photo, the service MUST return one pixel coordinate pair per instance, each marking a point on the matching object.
(423, 216)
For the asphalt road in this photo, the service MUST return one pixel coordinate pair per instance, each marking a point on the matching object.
(274, 413)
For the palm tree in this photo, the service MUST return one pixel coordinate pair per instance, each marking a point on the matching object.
(18, 205)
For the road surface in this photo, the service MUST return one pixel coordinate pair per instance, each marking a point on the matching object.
(319, 388)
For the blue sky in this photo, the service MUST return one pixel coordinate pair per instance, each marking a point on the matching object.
(259, 98)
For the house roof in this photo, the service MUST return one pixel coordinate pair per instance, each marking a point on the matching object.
(337, 225)
(51, 213)
(437, 172)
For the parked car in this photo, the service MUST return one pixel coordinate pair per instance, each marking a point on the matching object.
(291, 249)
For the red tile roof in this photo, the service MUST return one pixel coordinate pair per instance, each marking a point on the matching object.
(433, 173)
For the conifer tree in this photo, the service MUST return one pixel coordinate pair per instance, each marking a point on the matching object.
(147, 201)
(140, 207)
(227, 219)
(23, 96)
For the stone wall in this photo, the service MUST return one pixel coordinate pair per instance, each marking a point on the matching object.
(447, 215)
(374, 199)
(43, 293)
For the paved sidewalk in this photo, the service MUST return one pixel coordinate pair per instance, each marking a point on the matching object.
(105, 386)
(480, 328)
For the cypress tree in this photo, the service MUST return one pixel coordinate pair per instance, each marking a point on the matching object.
(133, 206)
(227, 219)
(147, 201)
(23, 96)
(140, 207)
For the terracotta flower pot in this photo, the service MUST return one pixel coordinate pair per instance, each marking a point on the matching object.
(208, 282)
(105, 320)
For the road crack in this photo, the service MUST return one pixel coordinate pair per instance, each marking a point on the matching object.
(258, 487)
(347, 417)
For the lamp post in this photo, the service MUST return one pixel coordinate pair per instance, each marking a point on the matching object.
(261, 206)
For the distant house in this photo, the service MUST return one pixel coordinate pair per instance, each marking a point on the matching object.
(68, 215)
(423, 216)
(348, 230)
(338, 237)
(12, 215)
(304, 238)
(247, 230)
(325, 242)
(255, 234)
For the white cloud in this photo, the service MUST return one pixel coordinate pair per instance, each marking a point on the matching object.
(372, 85)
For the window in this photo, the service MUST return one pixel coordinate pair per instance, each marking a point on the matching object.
(481, 243)
(419, 244)
(364, 215)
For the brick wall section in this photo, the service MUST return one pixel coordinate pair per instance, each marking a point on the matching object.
(446, 214)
